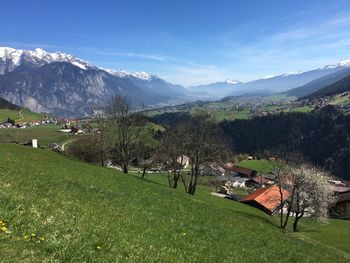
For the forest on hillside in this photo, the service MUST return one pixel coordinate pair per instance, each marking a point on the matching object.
(321, 137)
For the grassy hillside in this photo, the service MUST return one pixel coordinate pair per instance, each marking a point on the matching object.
(46, 134)
(340, 99)
(20, 115)
(219, 116)
(62, 210)
(262, 166)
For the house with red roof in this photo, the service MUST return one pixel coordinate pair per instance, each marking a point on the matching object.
(267, 199)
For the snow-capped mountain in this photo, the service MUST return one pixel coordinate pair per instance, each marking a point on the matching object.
(124, 74)
(62, 84)
(150, 82)
(345, 63)
(11, 58)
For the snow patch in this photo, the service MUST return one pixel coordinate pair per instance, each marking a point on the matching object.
(40, 56)
(342, 63)
(123, 74)
(230, 81)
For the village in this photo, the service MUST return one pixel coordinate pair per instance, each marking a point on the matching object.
(262, 190)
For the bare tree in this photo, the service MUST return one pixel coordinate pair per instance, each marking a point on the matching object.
(103, 136)
(202, 146)
(126, 132)
(172, 147)
(280, 180)
(148, 157)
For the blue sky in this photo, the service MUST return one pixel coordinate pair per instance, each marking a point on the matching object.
(187, 42)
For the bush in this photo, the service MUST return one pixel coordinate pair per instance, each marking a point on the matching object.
(85, 149)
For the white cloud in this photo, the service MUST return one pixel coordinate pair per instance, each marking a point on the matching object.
(155, 57)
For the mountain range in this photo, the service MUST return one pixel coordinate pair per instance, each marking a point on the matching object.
(294, 84)
(64, 85)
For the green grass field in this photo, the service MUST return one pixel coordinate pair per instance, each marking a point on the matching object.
(219, 116)
(340, 99)
(262, 166)
(303, 109)
(24, 116)
(147, 134)
(46, 134)
(57, 209)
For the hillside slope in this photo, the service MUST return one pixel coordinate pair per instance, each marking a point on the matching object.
(12, 111)
(59, 209)
(4, 104)
(338, 87)
(318, 84)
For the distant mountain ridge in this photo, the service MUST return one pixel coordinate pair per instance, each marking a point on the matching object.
(338, 87)
(274, 84)
(319, 83)
(64, 85)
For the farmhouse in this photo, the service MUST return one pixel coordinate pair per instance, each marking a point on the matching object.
(212, 170)
(259, 181)
(243, 172)
(267, 199)
(342, 207)
(239, 182)
(184, 161)
(221, 183)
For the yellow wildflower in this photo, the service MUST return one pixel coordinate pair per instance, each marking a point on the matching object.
(33, 234)
(98, 247)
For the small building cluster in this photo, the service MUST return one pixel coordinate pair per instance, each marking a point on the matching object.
(22, 125)
(262, 191)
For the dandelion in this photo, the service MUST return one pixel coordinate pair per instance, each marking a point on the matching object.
(33, 234)
(98, 247)
(25, 237)
(41, 239)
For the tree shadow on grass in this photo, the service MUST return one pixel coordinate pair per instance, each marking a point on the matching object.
(253, 216)
(149, 180)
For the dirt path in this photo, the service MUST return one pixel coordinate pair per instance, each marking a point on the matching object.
(20, 115)
(65, 143)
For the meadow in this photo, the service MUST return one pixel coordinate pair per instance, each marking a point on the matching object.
(46, 134)
(221, 115)
(261, 166)
(23, 115)
(58, 209)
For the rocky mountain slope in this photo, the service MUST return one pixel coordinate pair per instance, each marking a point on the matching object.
(64, 85)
